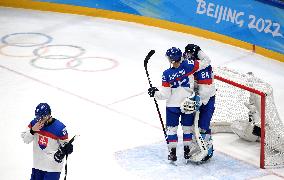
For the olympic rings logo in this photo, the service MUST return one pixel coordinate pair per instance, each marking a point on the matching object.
(11, 39)
(52, 57)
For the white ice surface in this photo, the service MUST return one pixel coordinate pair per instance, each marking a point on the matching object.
(120, 132)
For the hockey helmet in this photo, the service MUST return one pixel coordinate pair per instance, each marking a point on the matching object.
(42, 109)
(192, 49)
(174, 54)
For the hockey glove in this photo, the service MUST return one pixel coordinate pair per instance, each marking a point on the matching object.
(59, 155)
(62, 151)
(68, 148)
(152, 90)
(190, 104)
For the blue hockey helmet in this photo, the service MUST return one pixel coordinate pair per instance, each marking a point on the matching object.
(42, 109)
(174, 54)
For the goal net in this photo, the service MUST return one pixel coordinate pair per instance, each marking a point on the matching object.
(234, 89)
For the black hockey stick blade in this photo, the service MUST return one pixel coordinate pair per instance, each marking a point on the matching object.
(71, 140)
(149, 56)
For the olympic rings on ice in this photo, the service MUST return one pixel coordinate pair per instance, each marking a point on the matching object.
(52, 56)
(23, 39)
(53, 64)
(113, 63)
(57, 50)
(9, 51)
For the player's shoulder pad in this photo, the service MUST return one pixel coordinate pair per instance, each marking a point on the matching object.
(207, 69)
(166, 73)
(189, 65)
(187, 62)
(60, 129)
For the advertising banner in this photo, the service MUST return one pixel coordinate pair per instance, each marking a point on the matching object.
(251, 21)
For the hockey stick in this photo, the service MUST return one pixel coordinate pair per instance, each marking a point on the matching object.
(199, 156)
(70, 142)
(157, 106)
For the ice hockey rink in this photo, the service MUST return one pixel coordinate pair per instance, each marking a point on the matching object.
(90, 71)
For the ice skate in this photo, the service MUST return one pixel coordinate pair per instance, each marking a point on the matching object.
(172, 157)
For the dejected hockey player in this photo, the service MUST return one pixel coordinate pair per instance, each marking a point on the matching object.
(178, 89)
(204, 85)
(50, 144)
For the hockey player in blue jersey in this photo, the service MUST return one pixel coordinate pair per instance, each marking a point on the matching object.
(178, 89)
(50, 144)
(204, 84)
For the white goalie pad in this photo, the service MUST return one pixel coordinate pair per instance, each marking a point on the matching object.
(198, 156)
(203, 151)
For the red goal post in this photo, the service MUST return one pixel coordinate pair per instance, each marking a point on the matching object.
(262, 113)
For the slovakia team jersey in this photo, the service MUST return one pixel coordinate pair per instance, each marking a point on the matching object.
(204, 76)
(206, 88)
(45, 144)
(177, 83)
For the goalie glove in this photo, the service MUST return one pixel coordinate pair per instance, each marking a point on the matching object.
(190, 104)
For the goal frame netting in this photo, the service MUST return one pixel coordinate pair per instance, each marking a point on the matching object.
(263, 98)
